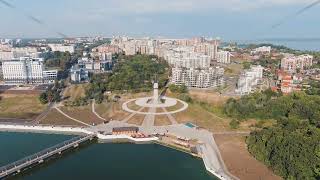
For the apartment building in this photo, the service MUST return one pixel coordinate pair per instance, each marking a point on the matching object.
(198, 78)
(292, 64)
(210, 49)
(135, 46)
(106, 48)
(27, 70)
(184, 57)
(249, 79)
(224, 57)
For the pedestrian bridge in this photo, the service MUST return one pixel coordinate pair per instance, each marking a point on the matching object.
(38, 158)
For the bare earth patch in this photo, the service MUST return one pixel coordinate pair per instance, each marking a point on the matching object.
(239, 161)
(75, 91)
(56, 118)
(161, 120)
(111, 110)
(136, 119)
(83, 114)
(209, 96)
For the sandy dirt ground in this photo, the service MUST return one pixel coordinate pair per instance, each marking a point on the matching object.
(209, 96)
(239, 161)
(83, 114)
(20, 106)
(56, 118)
(136, 119)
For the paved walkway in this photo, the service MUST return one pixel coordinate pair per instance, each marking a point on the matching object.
(131, 115)
(148, 122)
(94, 110)
(170, 117)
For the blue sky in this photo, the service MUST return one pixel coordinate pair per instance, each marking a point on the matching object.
(228, 19)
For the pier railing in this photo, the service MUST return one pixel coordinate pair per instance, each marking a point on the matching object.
(42, 155)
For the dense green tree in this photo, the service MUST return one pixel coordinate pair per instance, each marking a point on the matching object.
(290, 148)
(43, 98)
(269, 105)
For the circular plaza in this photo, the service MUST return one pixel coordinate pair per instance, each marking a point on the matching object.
(169, 105)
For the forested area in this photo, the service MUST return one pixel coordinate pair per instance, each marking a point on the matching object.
(271, 105)
(136, 73)
(131, 74)
(53, 93)
(292, 146)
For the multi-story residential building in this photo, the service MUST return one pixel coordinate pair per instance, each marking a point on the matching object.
(224, 57)
(291, 63)
(249, 79)
(184, 57)
(62, 48)
(198, 78)
(105, 48)
(135, 46)
(288, 83)
(210, 49)
(27, 70)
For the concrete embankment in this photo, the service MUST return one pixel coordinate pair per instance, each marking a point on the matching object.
(44, 129)
(212, 161)
(70, 130)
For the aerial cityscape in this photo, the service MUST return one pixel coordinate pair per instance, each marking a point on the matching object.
(136, 100)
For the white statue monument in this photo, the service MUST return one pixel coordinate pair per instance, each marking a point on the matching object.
(155, 99)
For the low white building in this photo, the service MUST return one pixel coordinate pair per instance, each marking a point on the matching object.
(78, 75)
(62, 48)
(249, 79)
(27, 70)
(16, 53)
(196, 78)
(262, 50)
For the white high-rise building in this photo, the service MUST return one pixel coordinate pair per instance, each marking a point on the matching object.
(184, 57)
(27, 70)
(196, 78)
(224, 57)
(249, 79)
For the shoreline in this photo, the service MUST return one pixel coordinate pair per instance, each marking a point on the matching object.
(65, 130)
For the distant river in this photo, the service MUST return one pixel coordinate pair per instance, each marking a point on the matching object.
(102, 161)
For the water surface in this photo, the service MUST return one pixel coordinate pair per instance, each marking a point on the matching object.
(104, 161)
